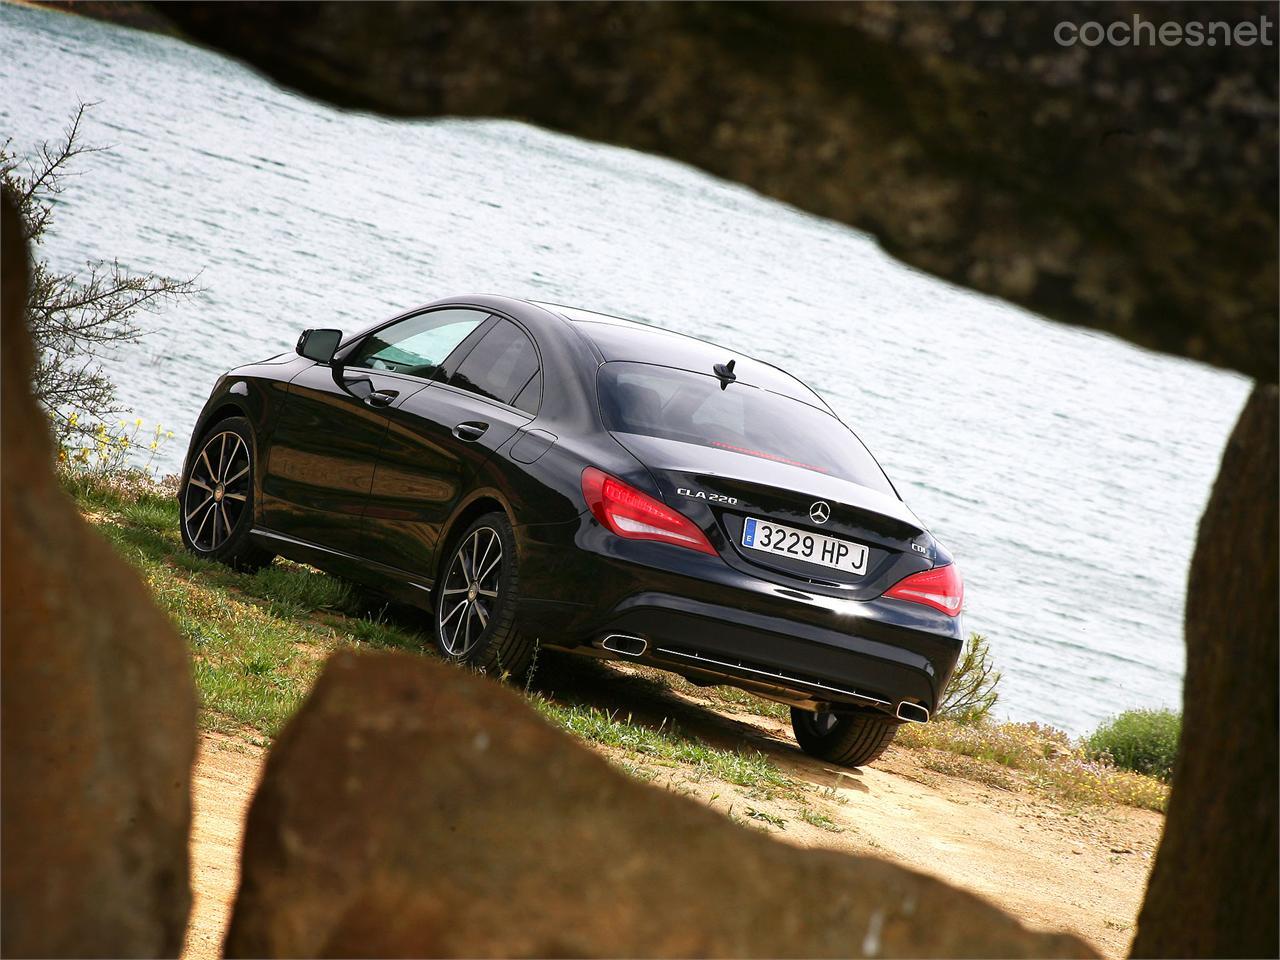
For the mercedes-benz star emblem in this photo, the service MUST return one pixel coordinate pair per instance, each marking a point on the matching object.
(820, 512)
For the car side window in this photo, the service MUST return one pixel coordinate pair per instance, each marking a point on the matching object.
(501, 367)
(530, 398)
(416, 345)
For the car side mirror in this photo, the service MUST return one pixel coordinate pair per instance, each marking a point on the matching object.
(319, 345)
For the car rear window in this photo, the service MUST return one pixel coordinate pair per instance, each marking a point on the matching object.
(672, 404)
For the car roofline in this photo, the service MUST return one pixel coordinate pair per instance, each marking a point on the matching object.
(672, 333)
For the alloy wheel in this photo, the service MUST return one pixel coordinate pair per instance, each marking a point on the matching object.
(217, 491)
(470, 591)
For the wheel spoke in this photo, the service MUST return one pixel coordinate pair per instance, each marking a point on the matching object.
(234, 496)
(202, 485)
(481, 613)
(453, 590)
(239, 473)
(204, 455)
(453, 613)
(481, 564)
(195, 510)
(485, 576)
(453, 647)
(466, 633)
(208, 514)
(225, 519)
(222, 455)
(491, 594)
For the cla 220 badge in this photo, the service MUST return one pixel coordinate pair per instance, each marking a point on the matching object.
(703, 495)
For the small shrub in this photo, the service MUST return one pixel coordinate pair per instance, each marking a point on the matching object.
(971, 693)
(1144, 741)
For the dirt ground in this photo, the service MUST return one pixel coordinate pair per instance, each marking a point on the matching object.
(1083, 870)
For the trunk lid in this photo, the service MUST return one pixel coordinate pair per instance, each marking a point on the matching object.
(722, 489)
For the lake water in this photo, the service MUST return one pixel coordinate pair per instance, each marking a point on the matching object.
(1065, 470)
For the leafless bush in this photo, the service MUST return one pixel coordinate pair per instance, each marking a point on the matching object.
(75, 318)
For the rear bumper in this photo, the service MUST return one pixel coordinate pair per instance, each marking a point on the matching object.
(715, 624)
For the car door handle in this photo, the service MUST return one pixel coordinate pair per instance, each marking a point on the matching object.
(470, 430)
(382, 398)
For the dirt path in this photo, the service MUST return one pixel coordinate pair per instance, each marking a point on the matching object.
(1083, 871)
(226, 775)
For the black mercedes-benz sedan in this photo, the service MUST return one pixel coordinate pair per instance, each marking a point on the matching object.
(532, 474)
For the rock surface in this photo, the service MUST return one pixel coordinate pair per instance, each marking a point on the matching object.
(1128, 188)
(97, 723)
(409, 809)
(1204, 895)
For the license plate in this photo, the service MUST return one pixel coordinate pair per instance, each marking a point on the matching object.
(769, 537)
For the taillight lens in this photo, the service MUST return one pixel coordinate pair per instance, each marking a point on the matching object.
(940, 588)
(629, 513)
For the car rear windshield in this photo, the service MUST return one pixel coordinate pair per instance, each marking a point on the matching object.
(671, 404)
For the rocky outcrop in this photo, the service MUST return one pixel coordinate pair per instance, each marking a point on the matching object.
(1128, 188)
(97, 708)
(410, 809)
(1205, 894)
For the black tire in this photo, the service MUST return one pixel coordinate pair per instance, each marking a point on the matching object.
(849, 739)
(215, 506)
(475, 609)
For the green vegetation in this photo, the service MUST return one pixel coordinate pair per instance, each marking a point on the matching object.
(1045, 757)
(665, 745)
(819, 820)
(971, 693)
(763, 816)
(1144, 741)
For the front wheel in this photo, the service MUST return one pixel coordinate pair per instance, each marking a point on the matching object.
(217, 499)
(849, 739)
(476, 601)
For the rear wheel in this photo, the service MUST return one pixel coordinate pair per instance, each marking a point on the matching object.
(849, 739)
(476, 601)
(217, 499)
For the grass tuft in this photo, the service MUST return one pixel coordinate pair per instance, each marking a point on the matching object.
(750, 769)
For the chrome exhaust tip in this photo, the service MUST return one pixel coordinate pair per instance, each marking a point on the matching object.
(912, 712)
(625, 644)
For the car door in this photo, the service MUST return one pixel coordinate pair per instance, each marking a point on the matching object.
(438, 438)
(325, 445)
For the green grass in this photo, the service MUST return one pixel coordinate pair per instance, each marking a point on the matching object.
(294, 590)
(819, 820)
(257, 640)
(1144, 741)
(764, 816)
(665, 744)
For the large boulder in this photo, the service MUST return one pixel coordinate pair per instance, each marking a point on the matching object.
(1206, 892)
(97, 707)
(409, 809)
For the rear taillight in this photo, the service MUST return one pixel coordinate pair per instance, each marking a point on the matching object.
(629, 513)
(940, 588)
